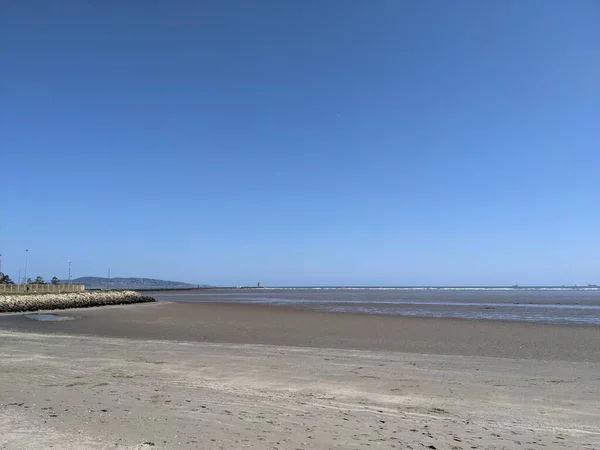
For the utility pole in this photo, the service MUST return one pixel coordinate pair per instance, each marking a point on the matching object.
(26, 253)
(69, 282)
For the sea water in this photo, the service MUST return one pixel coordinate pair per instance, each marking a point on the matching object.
(556, 305)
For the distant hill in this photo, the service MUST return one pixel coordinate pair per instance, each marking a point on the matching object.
(130, 283)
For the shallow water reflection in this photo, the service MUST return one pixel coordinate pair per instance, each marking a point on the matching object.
(49, 317)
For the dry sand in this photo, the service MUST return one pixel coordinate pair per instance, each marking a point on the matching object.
(62, 389)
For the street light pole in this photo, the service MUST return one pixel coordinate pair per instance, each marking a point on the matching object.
(69, 282)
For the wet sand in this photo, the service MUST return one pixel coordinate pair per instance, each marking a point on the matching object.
(177, 375)
(271, 325)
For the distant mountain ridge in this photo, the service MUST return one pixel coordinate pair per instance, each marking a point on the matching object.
(130, 283)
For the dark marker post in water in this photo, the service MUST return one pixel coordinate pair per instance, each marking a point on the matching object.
(26, 253)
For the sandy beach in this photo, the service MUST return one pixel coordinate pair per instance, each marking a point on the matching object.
(270, 325)
(189, 376)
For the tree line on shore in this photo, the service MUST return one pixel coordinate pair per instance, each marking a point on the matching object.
(5, 279)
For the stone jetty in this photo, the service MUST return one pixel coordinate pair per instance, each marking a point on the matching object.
(37, 302)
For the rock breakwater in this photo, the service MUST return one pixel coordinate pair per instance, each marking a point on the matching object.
(37, 302)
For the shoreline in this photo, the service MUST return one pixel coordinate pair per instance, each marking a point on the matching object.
(573, 308)
(291, 308)
(286, 326)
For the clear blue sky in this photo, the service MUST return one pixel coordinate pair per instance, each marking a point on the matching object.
(302, 143)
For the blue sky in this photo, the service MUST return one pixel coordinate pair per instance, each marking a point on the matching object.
(302, 143)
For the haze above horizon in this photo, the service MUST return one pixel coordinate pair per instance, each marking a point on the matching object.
(307, 143)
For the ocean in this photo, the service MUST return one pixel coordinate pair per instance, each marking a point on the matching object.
(552, 305)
